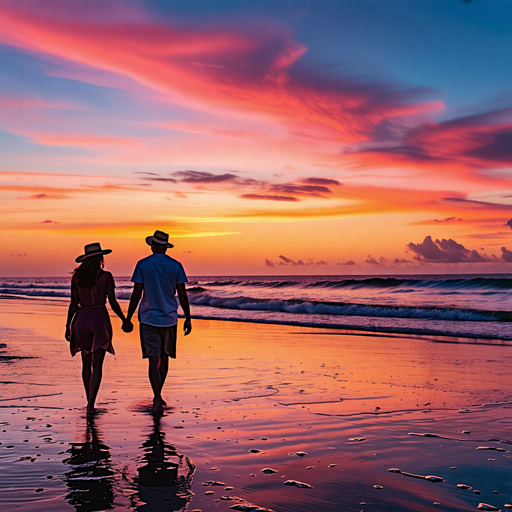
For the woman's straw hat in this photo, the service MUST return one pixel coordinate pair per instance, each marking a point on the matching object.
(159, 238)
(92, 250)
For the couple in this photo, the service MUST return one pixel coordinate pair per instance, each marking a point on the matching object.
(156, 280)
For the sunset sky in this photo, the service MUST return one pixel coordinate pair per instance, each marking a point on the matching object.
(266, 137)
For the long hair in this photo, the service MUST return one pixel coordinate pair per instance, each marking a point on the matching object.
(87, 271)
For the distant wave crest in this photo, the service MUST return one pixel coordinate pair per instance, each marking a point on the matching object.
(341, 309)
(502, 284)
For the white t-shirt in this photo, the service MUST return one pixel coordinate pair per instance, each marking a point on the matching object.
(160, 275)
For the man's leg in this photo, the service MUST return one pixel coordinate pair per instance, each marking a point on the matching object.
(156, 382)
(164, 368)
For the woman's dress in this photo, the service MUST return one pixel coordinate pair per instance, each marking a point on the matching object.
(91, 328)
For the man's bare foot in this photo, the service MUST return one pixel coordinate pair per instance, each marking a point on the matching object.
(91, 409)
(163, 402)
(158, 406)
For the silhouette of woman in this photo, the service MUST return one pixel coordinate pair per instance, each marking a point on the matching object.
(90, 479)
(88, 327)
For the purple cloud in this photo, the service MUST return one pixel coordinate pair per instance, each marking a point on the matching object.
(372, 261)
(445, 251)
(268, 197)
(506, 255)
(319, 181)
(203, 177)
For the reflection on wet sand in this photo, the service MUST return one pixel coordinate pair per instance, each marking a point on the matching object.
(91, 478)
(164, 477)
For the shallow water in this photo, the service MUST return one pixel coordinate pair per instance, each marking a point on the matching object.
(245, 397)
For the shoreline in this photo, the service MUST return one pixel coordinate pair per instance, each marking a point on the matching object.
(403, 332)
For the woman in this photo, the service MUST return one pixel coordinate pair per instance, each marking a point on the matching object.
(88, 326)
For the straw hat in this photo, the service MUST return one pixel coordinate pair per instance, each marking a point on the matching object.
(92, 250)
(159, 238)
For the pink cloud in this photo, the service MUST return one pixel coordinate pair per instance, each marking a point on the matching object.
(251, 69)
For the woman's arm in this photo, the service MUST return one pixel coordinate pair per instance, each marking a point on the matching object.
(116, 308)
(73, 308)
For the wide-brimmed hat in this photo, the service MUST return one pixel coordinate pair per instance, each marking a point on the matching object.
(159, 238)
(92, 250)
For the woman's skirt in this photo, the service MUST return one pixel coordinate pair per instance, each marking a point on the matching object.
(91, 329)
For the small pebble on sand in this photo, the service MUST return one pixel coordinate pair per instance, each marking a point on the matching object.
(378, 487)
(486, 506)
(463, 486)
(296, 483)
(434, 478)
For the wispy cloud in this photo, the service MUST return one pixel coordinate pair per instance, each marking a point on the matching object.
(47, 196)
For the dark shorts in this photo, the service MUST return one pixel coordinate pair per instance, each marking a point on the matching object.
(158, 341)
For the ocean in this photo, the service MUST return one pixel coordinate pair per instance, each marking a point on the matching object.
(467, 306)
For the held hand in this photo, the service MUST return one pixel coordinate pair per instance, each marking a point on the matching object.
(127, 326)
(187, 326)
(68, 333)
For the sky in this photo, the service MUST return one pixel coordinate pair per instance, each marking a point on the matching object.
(266, 137)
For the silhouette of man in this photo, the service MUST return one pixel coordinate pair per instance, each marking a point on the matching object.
(157, 278)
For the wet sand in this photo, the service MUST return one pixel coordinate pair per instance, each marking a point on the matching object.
(274, 417)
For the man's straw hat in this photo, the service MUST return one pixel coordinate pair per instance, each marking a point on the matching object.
(159, 238)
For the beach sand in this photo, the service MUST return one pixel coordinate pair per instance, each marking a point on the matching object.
(333, 410)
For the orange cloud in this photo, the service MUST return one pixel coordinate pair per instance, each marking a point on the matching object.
(46, 196)
(124, 229)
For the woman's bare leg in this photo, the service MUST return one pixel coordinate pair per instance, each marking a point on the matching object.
(97, 372)
(86, 372)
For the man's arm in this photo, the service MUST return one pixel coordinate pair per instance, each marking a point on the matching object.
(183, 297)
(134, 301)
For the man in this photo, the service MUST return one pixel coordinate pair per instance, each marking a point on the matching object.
(157, 278)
